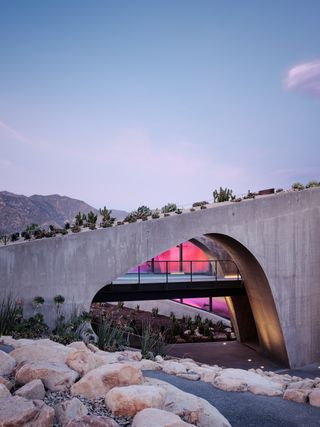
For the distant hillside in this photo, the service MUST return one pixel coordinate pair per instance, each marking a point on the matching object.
(17, 211)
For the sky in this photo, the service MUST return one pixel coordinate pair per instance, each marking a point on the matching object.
(123, 103)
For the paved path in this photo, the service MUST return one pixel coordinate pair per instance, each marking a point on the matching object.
(244, 409)
(230, 354)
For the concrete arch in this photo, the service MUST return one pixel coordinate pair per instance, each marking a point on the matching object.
(281, 232)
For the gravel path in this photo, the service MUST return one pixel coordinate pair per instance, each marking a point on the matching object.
(245, 409)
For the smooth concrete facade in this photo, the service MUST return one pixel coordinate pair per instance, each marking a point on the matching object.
(273, 239)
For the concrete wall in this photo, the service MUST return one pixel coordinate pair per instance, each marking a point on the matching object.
(167, 306)
(273, 239)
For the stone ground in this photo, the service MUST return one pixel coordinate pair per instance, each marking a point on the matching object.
(246, 409)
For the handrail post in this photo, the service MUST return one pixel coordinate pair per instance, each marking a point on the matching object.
(167, 278)
(138, 274)
(191, 271)
(216, 268)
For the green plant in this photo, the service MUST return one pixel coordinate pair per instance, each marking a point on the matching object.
(152, 342)
(120, 305)
(107, 219)
(196, 204)
(312, 184)
(178, 211)
(67, 225)
(110, 335)
(78, 220)
(76, 229)
(4, 239)
(219, 326)
(155, 312)
(166, 214)
(203, 207)
(10, 314)
(37, 302)
(297, 186)
(223, 195)
(172, 316)
(14, 237)
(138, 308)
(192, 209)
(250, 195)
(155, 214)
(170, 207)
(91, 220)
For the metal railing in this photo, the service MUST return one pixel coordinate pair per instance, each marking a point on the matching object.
(183, 271)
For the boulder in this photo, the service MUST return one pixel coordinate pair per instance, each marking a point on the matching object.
(31, 413)
(304, 384)
(7, 363)
(4, 392)
(6, 382)
(92, 421)
(56, 353)
(173, 368)
(192, 409)
(153, 417)
(144, 365)
(32, 390)
(241, 380)
(55, 376)
(207, 374)
(314, 397)
(81, 361)
(127, 401)
(99, 381)
(298, 395)
(79, 345)
(69, 409)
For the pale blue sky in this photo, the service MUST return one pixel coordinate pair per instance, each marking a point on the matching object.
(126, 103)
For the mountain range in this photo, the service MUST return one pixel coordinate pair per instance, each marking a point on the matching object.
(18, 211)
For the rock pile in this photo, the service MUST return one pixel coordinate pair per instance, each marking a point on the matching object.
(46, 384)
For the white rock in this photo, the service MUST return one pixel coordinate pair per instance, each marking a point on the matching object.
(19, 412)
(298, 395)
(99, 381)
(193, 409)
(42, 352)
(55, 376)
(69, 409)
(304, 384)
(145, 365)
(81, 361)
(127, 401)
(6, 382)
(241, 380)
(7, 363)
(314, 397)
(173, 368)
(32, 390)
(153, 417)
(4, 392)
(189, 376)
(159, 358)
(79, 345)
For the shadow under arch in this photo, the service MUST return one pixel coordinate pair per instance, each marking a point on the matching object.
(269, 332)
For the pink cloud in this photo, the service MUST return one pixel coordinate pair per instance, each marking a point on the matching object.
(304, 77)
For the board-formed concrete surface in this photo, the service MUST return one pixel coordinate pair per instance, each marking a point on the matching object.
(274, 241)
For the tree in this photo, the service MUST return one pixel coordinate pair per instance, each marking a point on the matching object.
(91, 220)
(78, 220)
(107, 219)
(223, 195)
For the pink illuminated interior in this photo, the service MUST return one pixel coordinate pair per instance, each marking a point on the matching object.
(180, 257)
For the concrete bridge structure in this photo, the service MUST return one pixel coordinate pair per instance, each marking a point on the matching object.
(274, 240)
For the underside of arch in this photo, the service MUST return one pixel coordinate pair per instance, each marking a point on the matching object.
(260, 298)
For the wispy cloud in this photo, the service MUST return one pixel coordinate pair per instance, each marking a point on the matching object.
(304, 77)
(13, 133)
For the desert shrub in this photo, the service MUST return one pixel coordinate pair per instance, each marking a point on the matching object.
(170, 207)
(10, 315)
(297, 186)
(111, 336)
(223, 195)
(152, 342)
(312, 184)
(155, 312)
(197, 204)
